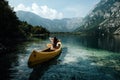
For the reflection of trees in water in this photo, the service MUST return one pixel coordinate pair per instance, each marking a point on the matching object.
(7, 63)
(117, 43)
(111, 43)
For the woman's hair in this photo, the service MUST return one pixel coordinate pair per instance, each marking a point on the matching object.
(55, 42)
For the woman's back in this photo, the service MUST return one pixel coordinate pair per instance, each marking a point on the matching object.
(55, 40)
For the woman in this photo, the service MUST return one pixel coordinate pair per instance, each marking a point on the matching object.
(54, 42)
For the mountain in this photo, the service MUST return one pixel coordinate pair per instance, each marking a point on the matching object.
(56, 25)
(103, 19)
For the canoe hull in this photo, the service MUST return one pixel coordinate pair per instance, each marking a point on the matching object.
(38, 57)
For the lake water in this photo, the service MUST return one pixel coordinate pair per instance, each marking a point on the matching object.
(82, 58)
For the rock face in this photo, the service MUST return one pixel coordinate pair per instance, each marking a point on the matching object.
(56, 25)
(103, 19)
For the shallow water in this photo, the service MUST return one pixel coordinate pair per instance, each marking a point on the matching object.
(82, 58)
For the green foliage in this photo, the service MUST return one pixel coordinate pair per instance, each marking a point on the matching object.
(39, 30)
(12, 28)
(8, 22)
(26, 28)
(30, 30)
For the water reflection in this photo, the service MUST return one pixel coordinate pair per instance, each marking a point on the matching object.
(109, 43)
(39, 71)
(82, 58)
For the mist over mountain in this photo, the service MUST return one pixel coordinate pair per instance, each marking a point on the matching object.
(103, 19)
(56, 25)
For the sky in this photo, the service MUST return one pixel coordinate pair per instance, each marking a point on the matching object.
(55, 9)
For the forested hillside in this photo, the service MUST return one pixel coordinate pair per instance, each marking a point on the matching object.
(12, 30)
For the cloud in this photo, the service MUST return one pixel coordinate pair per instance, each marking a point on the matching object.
(78, 10)
(22, 7)
(43, 11)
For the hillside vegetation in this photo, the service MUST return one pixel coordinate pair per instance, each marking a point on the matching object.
(12, 29)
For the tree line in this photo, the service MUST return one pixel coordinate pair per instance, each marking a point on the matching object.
(11, 28)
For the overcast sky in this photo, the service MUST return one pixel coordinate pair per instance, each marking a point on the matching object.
(55, 9)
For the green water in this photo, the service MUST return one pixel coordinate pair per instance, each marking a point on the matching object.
(82, 58)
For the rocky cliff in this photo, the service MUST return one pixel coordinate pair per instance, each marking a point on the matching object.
(103, 19)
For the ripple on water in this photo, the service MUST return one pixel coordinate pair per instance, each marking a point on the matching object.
(76, 62)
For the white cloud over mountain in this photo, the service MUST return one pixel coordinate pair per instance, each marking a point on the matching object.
(43, 11)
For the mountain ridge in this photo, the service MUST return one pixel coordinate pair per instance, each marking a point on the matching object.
(56, 25)
(103, 19)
